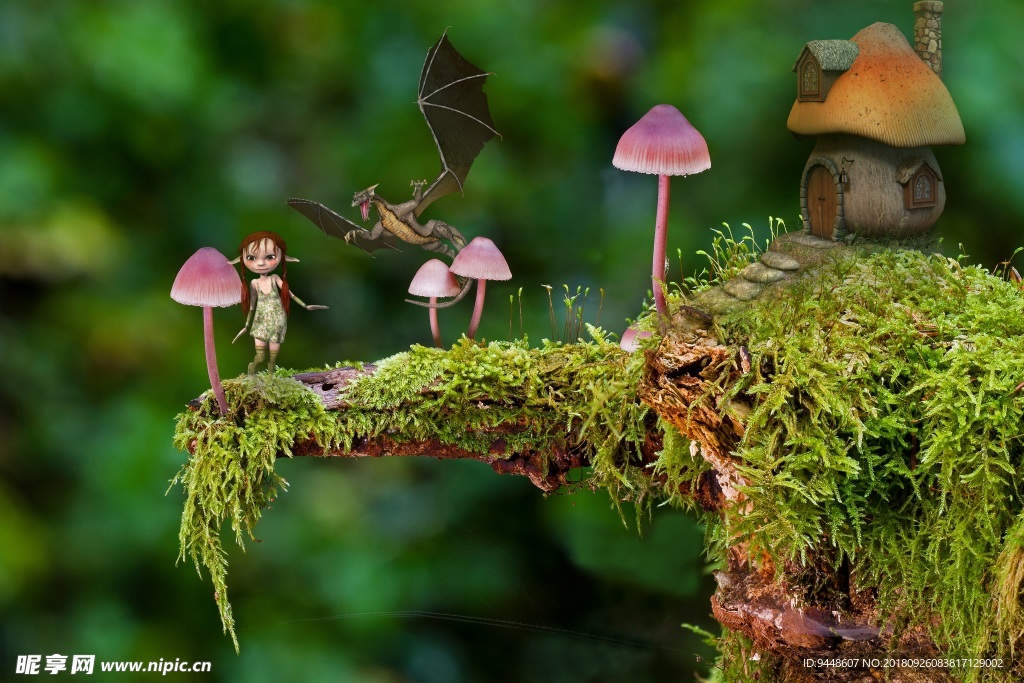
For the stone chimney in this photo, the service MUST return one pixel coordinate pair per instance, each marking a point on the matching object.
(928, 33)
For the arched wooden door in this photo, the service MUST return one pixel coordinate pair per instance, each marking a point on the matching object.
(821, 201)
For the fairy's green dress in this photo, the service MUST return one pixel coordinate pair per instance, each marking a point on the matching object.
(270, 322)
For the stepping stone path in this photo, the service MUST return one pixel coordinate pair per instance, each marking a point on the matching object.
(717, 301)
(759, 272)
(743, 289)
(810, 240)
(779, 261)
(789, 254)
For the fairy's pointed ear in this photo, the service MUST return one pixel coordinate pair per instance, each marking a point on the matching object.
(291, 259)
(235, 261)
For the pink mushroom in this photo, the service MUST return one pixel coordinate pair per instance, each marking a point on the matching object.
(480, 260)
(207, 279)
(434, 280)
(630, 341)
(664, 143)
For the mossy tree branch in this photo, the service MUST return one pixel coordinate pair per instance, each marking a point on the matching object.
(547, 470)
(557, 466)
(854, 441)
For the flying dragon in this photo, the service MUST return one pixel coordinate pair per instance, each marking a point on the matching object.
(452, 100)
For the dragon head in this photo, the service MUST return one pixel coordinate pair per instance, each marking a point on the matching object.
(363, 198)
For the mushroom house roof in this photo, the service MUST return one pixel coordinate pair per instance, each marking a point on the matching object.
(207, 279)
(888, 95)
(663, 142)
(832, 55)
(908, 167)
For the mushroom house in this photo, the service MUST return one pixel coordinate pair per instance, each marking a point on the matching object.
(875, 106)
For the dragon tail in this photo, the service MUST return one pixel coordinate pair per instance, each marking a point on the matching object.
(451, 302)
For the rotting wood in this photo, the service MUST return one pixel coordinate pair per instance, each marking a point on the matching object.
(808, 640)
(680, 386)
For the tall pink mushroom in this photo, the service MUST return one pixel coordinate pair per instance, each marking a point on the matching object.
(434, 280)
(664, 143)
(207, 279)
(480, 260)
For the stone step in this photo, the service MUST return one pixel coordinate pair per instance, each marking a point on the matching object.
(760, 273)
(718, 301)
(743, 289)
(779, 261)
(811, 240)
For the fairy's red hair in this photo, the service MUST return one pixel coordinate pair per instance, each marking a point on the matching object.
(257, 238)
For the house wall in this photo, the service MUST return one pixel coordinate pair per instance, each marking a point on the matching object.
(872, 203)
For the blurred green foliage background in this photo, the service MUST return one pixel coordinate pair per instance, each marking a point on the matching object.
(133, 133)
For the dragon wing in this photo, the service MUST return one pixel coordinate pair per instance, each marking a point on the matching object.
(336, 225)
(452, 99)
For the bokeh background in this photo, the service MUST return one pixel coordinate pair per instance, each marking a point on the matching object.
(133, 133)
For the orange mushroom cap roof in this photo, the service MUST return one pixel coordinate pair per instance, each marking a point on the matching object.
(888, 95)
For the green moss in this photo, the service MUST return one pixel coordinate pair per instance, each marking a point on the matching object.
(739, 660)
(886, 431)
(561, 396)
(230, 474)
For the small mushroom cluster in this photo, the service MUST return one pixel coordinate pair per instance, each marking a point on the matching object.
(480, 260)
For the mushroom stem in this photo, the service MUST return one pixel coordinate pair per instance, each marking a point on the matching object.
(435, 328)
(478, 308)
(660, 245)
(211, 360)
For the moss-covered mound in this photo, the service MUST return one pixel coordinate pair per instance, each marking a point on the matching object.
(887, 434)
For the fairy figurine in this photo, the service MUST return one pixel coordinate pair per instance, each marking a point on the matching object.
(267, 319)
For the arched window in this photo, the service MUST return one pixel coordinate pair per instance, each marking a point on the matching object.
(923, 189)
(920, 184)
(809, 78)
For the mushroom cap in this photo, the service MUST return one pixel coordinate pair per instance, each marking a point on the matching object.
(630, 341)
(207, 279)
(664, 143)
(888, 95)
(434, 279)
(481, 260)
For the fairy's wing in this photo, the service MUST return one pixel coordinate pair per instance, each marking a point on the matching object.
(336, 225)
(452, 99)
